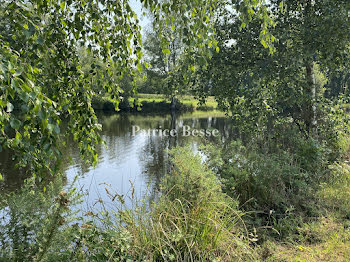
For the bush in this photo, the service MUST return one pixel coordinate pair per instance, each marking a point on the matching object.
(34, 223)
(205, 108)
(102, 103)
(275, 185)
(126, 105)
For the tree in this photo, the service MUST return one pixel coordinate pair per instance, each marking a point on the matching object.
(41, 77)
(41, 71)
(166, 69)
(157, 71)
(174, 30)
(308, 37)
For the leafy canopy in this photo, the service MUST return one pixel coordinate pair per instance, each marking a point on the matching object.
(42, 84)
(311, 42)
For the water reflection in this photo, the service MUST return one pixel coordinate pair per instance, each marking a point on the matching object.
(140, 160)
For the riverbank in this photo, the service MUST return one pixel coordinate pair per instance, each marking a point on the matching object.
(194, 218)
(278, 197)
(149, 103)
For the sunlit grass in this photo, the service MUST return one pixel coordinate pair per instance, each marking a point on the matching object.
(328, 240)
(185, 99)
(323, 238)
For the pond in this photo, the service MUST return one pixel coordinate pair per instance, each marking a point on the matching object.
(133, 159)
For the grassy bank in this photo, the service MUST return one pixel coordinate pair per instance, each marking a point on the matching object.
(154, 103)
(250, 206)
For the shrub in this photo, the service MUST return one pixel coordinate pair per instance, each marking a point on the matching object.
(275, 185)
(102, 103)
(34, 222)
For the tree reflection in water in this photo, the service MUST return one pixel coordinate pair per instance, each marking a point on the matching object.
(141, 159)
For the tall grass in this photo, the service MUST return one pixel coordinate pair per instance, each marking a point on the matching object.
(191, 221)
(35, 222)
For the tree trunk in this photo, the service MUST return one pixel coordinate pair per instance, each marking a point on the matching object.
(310, 92)
(310, 116)
(173, 104)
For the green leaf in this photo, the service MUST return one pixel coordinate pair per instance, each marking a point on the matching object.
(1, 177)
(57, 129)
(17, 73)
(139, 67)
(63, 5)
(166, 51)
(18, 136)
(15, 123)
(42, 115)
(44, 123)
(50, 128)
(9, 107)
(17, 139)
(263, 42)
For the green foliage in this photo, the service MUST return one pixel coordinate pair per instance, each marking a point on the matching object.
(267, 62)
(102, 103)
(310, 44)
(324, 239)
(37, 224)
(44, 78)
(276, 179)
(335, 192)
(43, 82)
(34, 222)
(192, 220)
(152, 103)
(190, 180)
(157, 70)
(166, 68)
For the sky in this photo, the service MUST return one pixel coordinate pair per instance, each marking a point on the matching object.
(137, 7)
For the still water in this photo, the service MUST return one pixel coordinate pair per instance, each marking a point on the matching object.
(128, 164)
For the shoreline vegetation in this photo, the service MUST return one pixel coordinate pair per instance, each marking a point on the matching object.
(150, 103)
(195, 217)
